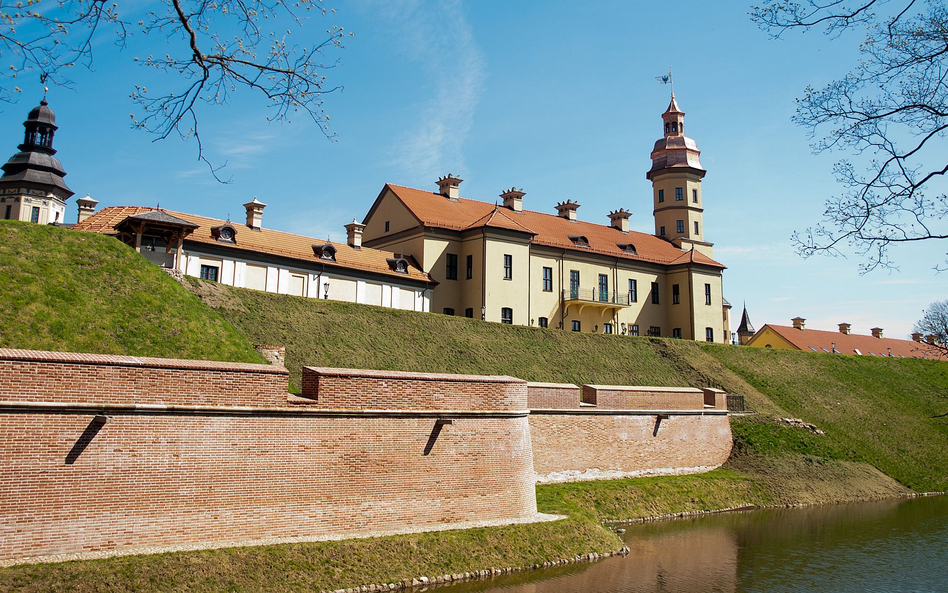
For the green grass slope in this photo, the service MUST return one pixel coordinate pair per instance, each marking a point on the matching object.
(876, 411)
(81, 292)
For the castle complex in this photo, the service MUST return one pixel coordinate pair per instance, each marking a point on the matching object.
(438, 251)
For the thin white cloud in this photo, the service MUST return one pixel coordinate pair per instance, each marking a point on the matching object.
(455, 69)
(780, 299)
(902, 281)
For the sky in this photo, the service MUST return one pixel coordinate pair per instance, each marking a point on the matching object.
(558, 98)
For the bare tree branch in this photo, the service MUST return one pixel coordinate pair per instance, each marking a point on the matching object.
(896, 95)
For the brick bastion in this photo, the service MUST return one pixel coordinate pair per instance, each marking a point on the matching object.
(117, 454)
(103, 455)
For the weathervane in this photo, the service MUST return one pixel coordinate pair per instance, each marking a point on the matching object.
(667, 79)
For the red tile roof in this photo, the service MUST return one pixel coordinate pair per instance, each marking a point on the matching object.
(435, 210)
(264, 241)
(848, 344)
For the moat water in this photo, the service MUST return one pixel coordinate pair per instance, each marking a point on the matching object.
(895, 545)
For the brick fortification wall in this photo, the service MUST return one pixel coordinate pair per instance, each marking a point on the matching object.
(618, 431)
(103, 453)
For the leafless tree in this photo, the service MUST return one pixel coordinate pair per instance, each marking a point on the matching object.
(890, 112)
(215, 48)
(934, 323)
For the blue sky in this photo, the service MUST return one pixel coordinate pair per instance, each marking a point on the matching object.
(557, 98)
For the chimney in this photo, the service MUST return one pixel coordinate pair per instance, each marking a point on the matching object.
(876, 332)
(567, 210)
(798, 323)
(513, 199)
(620, 220)
(917, 337)
(86, 207)
(255, 213)
(354, 234)
(844, 328)
(448, 186)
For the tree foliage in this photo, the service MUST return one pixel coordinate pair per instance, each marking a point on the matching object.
(213, 49)
(934, 322)
(890, 112)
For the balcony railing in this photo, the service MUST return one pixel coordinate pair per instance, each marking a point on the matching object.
(595, 295)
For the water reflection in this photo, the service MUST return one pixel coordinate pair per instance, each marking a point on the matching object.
(895, 545)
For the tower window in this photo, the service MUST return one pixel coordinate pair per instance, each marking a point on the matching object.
(506, 315)
(508, 267)
(387, 225)
(694, 196)
(709, 334)
(633, 291)
(547, 279)
(674, 126)
(661, 195)
(655, 293)
(707, 294)
(696, 227)
(680, 227)
(667, 127)
(470, 267)
(676, 294)
(679, 194)
(661, 231)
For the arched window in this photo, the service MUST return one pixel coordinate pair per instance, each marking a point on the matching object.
(667, 128)
(674, 126)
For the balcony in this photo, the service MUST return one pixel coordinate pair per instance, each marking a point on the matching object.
(594, 297)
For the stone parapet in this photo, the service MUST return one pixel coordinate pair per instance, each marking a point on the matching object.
(622, 397)
(553, 396)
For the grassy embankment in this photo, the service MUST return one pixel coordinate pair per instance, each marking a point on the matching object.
(82, 292)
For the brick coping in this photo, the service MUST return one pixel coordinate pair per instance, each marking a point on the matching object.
(13, 354)
(552, 385)
(40, 407)
(608, 412)
(646, 388)
(412, 376)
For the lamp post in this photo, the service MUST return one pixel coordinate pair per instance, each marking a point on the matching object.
(326, 289)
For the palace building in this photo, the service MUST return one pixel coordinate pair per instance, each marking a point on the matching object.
(508, 264)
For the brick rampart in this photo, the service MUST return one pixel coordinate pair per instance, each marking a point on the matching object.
(31, 375)
(379, 390)
(553, 396)
(118, 465)
(602, 444)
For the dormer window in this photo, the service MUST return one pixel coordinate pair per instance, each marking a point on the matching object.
(627, 248)
(326, 252)
(579, 241)
(398, 264)
(224, 233)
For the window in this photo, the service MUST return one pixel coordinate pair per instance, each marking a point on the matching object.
(470, 267)
(679, 194)
(508, 267)
(676, 333)
(603, 288)
(576, 326)
(448, 311)
(696, 227)
(574, 284)
(654, 331)
(633, 291)
(9, 212)
(680, 226)
(709, 334)
(543, 322)
(634, 330)
(209, 272)
(661, 231)
(607, 328)
(386, 226)
(35, 214)
(694, 196)
(654, 293)
(547, 279)
(451, 268)
(661, 195)
(676, 296)
(506, 315)
(469, 313)
(707, 294)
